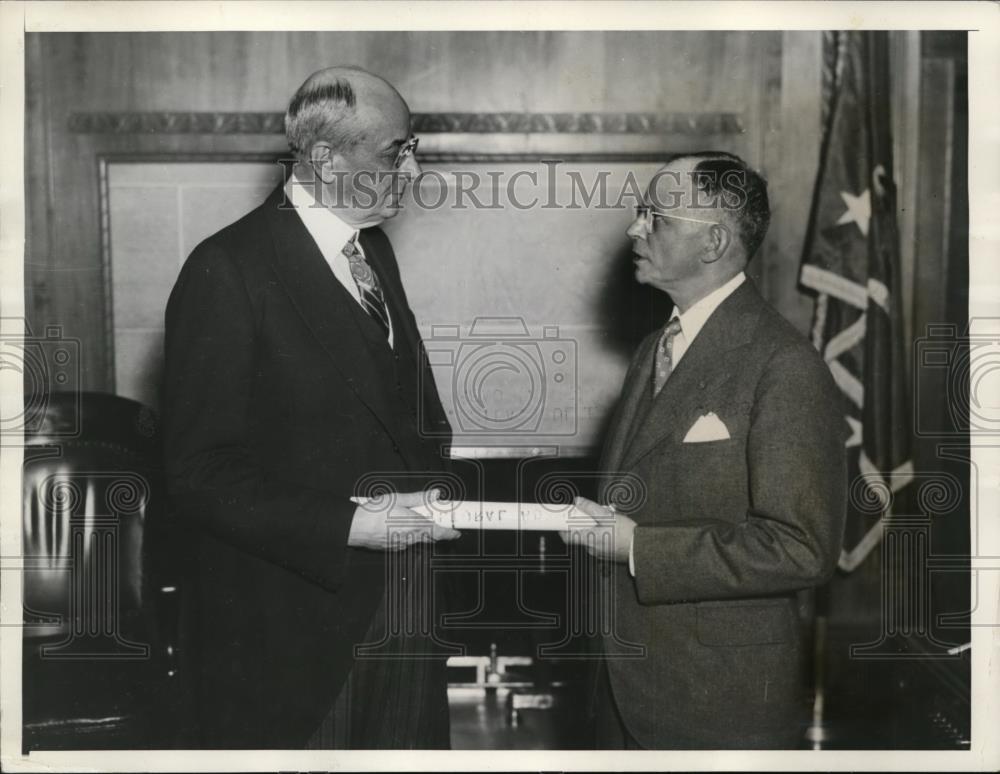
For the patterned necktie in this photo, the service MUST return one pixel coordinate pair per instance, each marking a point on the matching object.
(368, 287)
(663, 363)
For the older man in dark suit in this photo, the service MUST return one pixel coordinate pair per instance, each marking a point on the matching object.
(292, 377)
(731, 422)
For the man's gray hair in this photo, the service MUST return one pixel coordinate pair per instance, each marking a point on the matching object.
(322, 109)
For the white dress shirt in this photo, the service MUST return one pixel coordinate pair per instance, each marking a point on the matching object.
(692, 321)
(330, 234)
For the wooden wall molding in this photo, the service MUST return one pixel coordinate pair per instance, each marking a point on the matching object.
(165, 122)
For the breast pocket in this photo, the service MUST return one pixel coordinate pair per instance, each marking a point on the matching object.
(707, 479)
(715, 459)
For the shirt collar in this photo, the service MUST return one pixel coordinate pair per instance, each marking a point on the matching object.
(318, 218)
(694, 319)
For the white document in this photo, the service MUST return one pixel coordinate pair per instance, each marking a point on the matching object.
(477, 514)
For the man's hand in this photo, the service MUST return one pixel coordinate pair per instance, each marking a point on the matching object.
(388, 523)
(610, 535)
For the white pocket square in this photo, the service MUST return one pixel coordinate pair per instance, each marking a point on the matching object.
(708, 427)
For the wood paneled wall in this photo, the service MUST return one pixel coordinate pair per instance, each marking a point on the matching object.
(769, 80)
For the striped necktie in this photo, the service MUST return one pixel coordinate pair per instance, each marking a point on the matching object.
(663, 363)
(368, 287)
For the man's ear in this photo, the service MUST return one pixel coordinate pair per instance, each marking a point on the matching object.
(324, 161)
(720, 238)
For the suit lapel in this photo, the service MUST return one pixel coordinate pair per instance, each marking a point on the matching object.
(628, 405)
(709, 363)
(328, 309)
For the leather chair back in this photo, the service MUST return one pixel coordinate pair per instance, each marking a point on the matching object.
(96, 649)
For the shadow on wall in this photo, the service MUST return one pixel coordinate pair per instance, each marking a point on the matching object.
(628, 310)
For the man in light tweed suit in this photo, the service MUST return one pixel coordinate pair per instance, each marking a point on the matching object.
(732, 422)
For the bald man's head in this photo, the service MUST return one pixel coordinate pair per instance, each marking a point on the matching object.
(350, 131)
(341, 106)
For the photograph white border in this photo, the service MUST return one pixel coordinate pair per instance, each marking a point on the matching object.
(984, 200)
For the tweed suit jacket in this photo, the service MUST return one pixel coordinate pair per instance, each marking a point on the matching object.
(707, 646)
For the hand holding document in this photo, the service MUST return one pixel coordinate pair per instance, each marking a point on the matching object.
(479, 514)
(373, 516)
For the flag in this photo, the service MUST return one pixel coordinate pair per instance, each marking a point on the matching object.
(851, 262)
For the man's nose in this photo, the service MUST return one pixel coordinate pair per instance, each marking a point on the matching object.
(411, 165)
(637, 229)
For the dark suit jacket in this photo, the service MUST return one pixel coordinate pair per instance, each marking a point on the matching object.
(280, 395)
(728, 531)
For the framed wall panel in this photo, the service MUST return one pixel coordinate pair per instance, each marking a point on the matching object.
(517, 268)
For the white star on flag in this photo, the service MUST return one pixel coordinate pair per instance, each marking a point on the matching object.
(856, 432)
(859, 210)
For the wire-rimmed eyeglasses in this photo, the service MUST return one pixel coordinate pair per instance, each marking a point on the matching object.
(407, 150)
(648, 214)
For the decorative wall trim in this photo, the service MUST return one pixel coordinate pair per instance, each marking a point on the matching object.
(177, 123)
(423, 123)
(579, 123)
